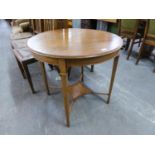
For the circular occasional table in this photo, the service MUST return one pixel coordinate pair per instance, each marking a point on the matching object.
(75, 47)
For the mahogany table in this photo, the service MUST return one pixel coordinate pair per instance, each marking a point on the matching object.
(75, 47)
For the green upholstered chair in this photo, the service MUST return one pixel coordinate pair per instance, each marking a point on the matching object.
(128, 28)
(113, 28)
(151, 29)
(149, 37)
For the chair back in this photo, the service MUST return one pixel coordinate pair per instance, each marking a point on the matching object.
(114, 27)
(41, 25)
(53, 24)
(149, 35)
(151, 27)
(60, 23)
(48, 24)
(36, 25)
(128, 27)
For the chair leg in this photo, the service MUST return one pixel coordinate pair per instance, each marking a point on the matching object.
(139, 54)
(27, 73)
(154, 70)
(69, 72)
(44, 77)
(140, 40)
(51, 66)
(130, 49)
(127, 44)
(21, 68)
(154, 67)
(82, 75)
(92, 68)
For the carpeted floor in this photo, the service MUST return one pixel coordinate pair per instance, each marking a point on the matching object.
(131, 110)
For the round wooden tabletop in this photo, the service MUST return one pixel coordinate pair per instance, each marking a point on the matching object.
(74, 43)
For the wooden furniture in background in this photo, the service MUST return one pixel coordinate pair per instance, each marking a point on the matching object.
(22, 53)
(129, 29)
(41, 25)
(149, 37)
(114, 27)
(19, 39)
(76, 47)
(109, 20)
(48, 24)
(70, 23)
(37, 25)
(89, 24)
(23, 61)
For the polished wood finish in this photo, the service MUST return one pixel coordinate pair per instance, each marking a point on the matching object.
(74, 43)
(76, 47)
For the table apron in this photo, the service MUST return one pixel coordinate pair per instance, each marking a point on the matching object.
(90, 61)
(76, 62)
(49, 60)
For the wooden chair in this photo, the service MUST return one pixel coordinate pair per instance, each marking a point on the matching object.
(128, 28)
(23, 54)
(24, 58)
(149, 37)
(48, 24)
(114, 27)
(32, 24)
(41, 25)
(37, 25)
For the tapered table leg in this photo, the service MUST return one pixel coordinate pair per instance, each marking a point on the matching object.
(64, 85)
(115, 63)
(44, 76)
